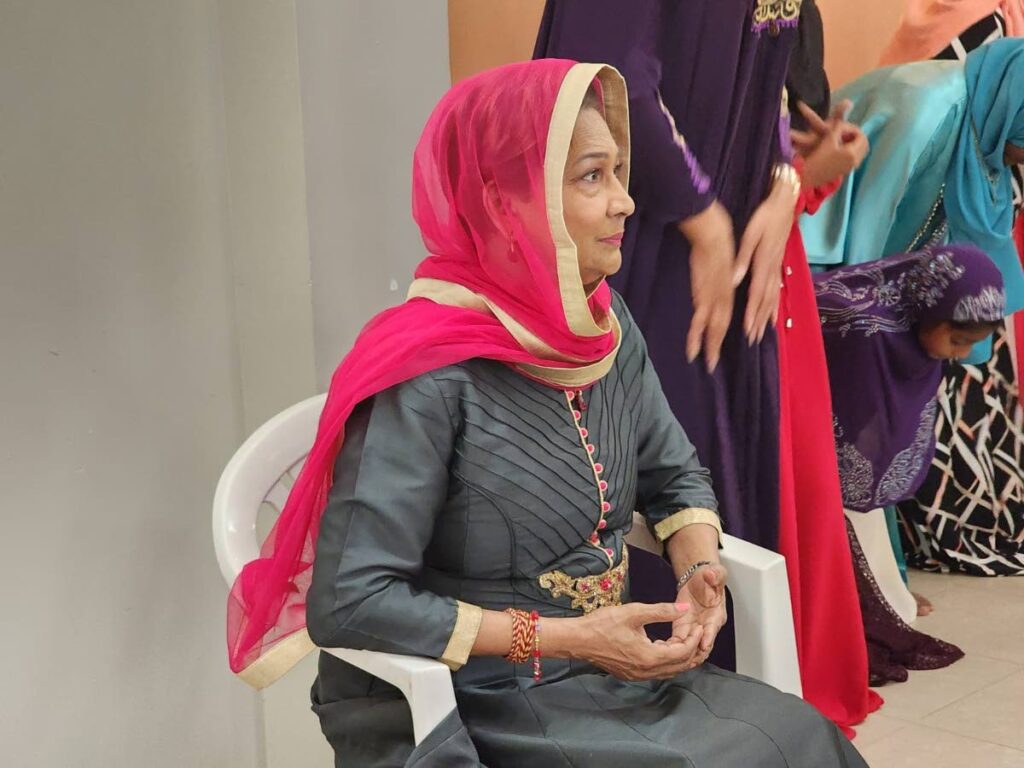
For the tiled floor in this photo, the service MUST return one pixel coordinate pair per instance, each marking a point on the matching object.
(969, 714)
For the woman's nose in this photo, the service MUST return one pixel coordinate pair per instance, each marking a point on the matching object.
(622, 204)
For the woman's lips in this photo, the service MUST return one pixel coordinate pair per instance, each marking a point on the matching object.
(615, 240)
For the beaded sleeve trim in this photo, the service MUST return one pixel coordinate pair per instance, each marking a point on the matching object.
(701, 181)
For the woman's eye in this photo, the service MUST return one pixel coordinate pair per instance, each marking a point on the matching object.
(593, 175)
(618, 169)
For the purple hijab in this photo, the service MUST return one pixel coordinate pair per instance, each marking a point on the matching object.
(883, 382)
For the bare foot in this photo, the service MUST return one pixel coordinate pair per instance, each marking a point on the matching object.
(924, 605)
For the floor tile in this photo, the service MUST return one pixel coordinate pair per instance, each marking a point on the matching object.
(876, 728)
(929, 691)
(982, 618)
(918, 746)
(928, 584)
(993, 714)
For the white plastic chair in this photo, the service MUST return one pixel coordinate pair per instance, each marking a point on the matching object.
(263, 469)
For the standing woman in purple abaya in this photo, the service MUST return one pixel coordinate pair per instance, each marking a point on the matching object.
(702, 255)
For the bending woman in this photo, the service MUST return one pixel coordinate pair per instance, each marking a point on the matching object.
(969, 512)
(888, 326)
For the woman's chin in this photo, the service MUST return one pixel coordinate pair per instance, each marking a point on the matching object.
(613, 265)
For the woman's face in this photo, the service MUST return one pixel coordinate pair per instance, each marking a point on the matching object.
(595, 202)
(942, 341)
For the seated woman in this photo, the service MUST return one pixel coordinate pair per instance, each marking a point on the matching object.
(478, 462)
(888, 326)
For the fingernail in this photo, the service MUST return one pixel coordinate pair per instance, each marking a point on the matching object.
(682, 606)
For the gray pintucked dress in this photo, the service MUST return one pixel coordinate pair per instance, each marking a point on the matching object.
(472, 487)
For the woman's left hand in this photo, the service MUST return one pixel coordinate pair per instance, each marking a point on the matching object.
(831, 149)
(761, 251)
(705, 593)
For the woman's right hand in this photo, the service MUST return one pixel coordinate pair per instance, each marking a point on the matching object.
(613, 639)
(712, 271)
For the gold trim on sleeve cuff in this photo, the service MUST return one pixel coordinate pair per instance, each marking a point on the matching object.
(467, 626)
(277, 660)
(686, 517)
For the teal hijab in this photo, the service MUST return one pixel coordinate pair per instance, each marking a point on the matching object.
(935, 171)
(979, 189)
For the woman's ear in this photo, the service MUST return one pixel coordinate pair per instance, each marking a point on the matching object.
(494, 206)
(499, 216)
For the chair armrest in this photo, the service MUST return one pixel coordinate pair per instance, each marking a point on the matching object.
(762, 614)
(425, 683)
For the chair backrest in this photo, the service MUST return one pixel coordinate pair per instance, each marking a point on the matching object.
(261, 472)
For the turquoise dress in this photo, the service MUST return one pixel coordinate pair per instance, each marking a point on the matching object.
(471, 487)
(893, 203)
(935, 172)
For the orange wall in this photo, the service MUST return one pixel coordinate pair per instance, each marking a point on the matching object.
(486, 33)
(856, 31)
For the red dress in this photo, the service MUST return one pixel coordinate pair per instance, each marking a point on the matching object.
(1018, 325)
(812, 531)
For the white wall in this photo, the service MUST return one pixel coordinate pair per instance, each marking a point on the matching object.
(166, 171)
(371, 73)
(120, 388)
(269, 241)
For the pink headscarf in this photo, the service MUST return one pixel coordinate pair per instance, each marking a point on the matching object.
(928, 26)
(501, 282)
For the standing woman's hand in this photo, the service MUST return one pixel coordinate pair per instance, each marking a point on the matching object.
(761, 250)
(712, 270)
(805, 142)
(831, 149)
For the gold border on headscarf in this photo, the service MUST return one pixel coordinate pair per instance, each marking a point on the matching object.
(456, 295)
(570, 378)
(278, 660)
(578, 315)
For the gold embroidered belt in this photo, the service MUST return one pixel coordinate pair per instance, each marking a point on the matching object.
(589, 592)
